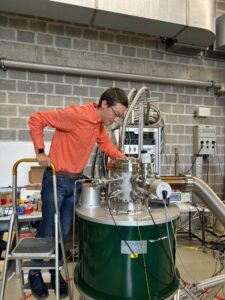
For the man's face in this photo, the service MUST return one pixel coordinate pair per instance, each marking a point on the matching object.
(111, 114)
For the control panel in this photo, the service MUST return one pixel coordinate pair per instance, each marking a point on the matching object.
(151, 143)
(204, 139)
(179, 197)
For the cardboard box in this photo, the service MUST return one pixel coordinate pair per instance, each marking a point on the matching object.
(39, 205)
(33, 187)
(36, 174)
(1, 268)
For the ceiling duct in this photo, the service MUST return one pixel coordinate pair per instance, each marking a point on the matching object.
(217, 49)
(189, 23)
(172, 45)
(199, 33)
(220, 33)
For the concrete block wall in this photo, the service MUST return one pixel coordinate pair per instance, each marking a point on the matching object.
(220, 7)
(39, 40)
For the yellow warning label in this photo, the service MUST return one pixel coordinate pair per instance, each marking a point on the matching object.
(133, 255)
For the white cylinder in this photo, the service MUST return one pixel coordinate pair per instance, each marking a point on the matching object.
(145, 157)
(157, 187)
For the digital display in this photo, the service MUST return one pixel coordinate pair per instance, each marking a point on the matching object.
(175, 197)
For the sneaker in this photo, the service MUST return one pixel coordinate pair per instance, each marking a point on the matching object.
(3, 245)
(63, 287)
(37, 285)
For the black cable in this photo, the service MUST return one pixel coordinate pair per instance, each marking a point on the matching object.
(167, 160)
(163, 247)
(94, 163)
(221, 267)
(140, 263)
(207, 172)
(163, 136)
(105, 164)
(217, 156)
(194, 161)
(164, 193)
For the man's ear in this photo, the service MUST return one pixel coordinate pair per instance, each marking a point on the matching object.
(104, 104)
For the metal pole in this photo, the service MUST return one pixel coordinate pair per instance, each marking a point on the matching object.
(2, 292)
(59, 237)
(5, 63)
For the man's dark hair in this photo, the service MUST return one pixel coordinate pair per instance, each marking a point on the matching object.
(113, 96)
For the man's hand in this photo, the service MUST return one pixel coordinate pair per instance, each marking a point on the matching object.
(43, 160)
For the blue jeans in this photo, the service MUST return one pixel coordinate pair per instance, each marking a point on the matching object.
(68, 193)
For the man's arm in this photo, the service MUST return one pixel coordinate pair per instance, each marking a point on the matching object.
(106, 146)
(37, 125)
(59, 119)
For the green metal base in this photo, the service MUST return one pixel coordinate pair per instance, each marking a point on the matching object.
(109, 270)
(95, 295)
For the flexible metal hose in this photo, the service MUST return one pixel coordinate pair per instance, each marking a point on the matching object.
(208, 196)
(136, 98)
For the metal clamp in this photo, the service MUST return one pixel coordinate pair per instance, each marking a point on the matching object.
(2, 64)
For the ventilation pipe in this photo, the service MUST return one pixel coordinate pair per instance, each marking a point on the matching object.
(208, 196)
(190, 22)
(202, 190)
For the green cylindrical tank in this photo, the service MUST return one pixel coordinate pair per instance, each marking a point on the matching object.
(126, 256)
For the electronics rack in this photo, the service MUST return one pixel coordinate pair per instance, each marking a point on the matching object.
(150, 141)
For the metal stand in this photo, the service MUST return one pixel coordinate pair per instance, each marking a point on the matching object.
(206, 289)
(35, 253)
(202, 211)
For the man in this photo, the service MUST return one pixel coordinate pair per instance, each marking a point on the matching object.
(77, 129)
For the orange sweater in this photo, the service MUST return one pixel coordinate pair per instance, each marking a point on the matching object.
(77, 129)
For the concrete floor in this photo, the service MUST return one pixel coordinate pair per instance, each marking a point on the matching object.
(194, 264)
